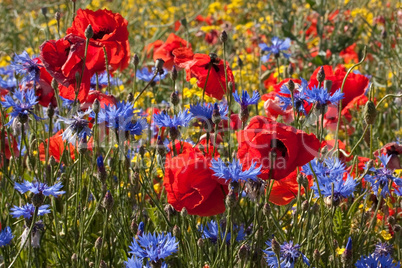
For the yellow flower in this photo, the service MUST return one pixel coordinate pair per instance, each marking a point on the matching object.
(339, 251)
(387, 236)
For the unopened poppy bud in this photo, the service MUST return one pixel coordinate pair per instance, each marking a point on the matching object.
(266, 210)
(391, 220)
(384, 34)
(290, 70)
(327, 85)
(52, 161)
(169, 210)
(305, 205)
(200, 243)
(216, 115)
(276, 248)
(74, 257)
(230, 199)
(321, 75)
(135, 60)
(243, 252)
(102, 264)
(397, 228)
(130, 97)
(240, 62)
(44, 11)
(133, 226)
(184, 212)
(37, 199)
(57, 15)
(174, 98)
(291, 85)
(89, 32)
(54, 84)
(176, 231)
(50, 111)
(316, 255)
(98, 243)
(174, 73)
(370, 113)
(300, 178)
(183, 22)
(159, 66)
(108, 201)
(223, 37)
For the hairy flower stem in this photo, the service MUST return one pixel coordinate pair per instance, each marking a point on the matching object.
(28, 238)
(142, 91)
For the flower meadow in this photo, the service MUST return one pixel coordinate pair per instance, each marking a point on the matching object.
(201, 133)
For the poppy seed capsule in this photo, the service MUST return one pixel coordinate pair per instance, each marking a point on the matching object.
(89, 32)
(321, 75)
(223, 37)
(370, 113)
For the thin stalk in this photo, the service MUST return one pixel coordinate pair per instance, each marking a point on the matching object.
(142, 91)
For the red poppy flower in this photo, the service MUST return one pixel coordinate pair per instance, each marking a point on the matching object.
(394, 150)
(273, 109)
(355, 84)
(182, 56)
(7, 146)
(56, 147)
(285, 190)
(198, 67)
(68, 92)
(44, 90)
(110, 31)
(103, 99)
(349, 54)
(165, 51)
(262, 136)
(189, 183)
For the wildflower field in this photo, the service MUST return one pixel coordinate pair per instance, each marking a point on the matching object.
(208, 134)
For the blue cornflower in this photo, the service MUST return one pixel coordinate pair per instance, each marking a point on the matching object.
(382, 177)
(342, 189)
(329, 167)
(154, 246)
(39, 188)
(133, 262)
(116, 116)
(383, 249)
(137, 127)
(103, 80)
(321, 97)
(211, 232)
(289, 254)
(246, 99)
(164, 120)
(145, 75)
(5, 237)
(234, 171)
(204, 112)
(23, 103)
(77, 127)
(9, 83)
(373, 261)
(299, 96)
(349, 244)
(26, 67)
(277, 47)
(28, 210)
(66, 102)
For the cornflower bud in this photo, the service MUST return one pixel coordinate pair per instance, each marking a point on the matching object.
(223, 37)
(291, 85)
(230, 199)
(321, 75)
(89, 32)
(74, 257)
(200, 243)
(174, 98)
(98, 243)
(52, 161)
(305, 205)
(102, 264)
(370, 113)
(133, 226)
(108, 201)
(370, 164)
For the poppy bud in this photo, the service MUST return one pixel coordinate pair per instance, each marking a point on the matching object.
(327, 85)
(216, 116)
(316, 255)
(370, 164)
(174, 98)
(183, 22)
(291, 85)
(108, 201)
(135, 60)
(50, 111)
(133, 226)
(315, 208)
(169, 210)
(130, 97)
(200, 243)
(223, 37)
(370, 113)
(54, 84)
(83, 145)
(266, 210)
(391, 220)
(240, 62)
(37, 199)
(243, 252)
(176, 231)
(102, 264)
(290, 70)
(159, 66)
(276, 248)
(57, 15)
(74, 257)
(305, 205)
(321, 75)
(174, 73)
(89, 32)
(98, 243)
(91, 264)
(44, 11)
(184, 212)
(230, 199)
(397, 228)
(52, 161)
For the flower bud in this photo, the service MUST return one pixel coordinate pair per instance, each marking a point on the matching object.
(133, 226)
(44, 11)
(276, 248)
(391, 220)
(50, 111)
(54, 84)
(74, 257)
(305, 205)
(135, 60)
(266, 210)
(384, 34)
(316, 255)
(397, 228)
(243, 252)
(174, 98)
(315, 208)
(130, 97)
(223, 37)
(240, 62)
(327, 85)
(98, 243)
(230, 199)
(291, 85)
(141, 151)
(176, 231)
(321, 75)
(184, 212)
(108, 201)
(216, 115)
(169, 210)
(370, 113)
(52, 161)
(200, 243)
(89, 32)
(102, 264)
(290, 70)
(57, 15)
(214, 57)
(174, 73)
(37, 199)
(159, 66)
